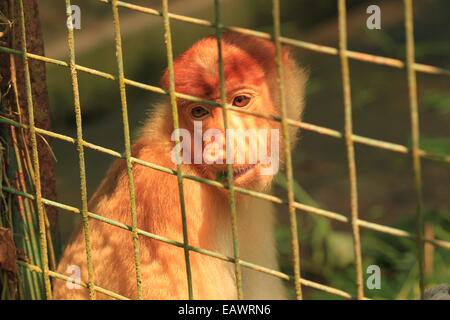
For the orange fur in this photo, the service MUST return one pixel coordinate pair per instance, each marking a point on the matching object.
(248, 62)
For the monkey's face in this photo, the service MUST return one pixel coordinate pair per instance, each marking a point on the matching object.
(250, 143)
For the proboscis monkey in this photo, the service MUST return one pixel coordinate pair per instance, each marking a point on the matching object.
(250, 83)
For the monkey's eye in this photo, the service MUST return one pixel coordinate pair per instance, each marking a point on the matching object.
(199, 112)
(241, 100)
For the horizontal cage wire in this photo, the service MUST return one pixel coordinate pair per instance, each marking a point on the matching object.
(348, 136)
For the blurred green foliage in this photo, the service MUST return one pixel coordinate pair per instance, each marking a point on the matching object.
(323, 244)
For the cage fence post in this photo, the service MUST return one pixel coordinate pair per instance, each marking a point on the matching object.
(173, 104)
(127, 142)
(230, 181)
(35, 155)
(80, 149)
(9, 279)
(39, 93)
(415, 138)
(287, 151)
(37, 70)
(345, 71)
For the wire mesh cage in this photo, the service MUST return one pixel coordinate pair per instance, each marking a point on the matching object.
(28, 203)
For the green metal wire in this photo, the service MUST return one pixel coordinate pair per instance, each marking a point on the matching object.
(376, 143)
(206, 252)
(335, 216)
(287, 151)
(415, 139)
(345, 70)
(179, 173)
(126, 133)
(360, 56)
(37, 176)
(80, 149)
(246, 264)
(389, 146)
(25, 208)
(230, 178)
(53, 274)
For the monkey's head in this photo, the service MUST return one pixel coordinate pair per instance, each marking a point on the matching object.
(253, 144)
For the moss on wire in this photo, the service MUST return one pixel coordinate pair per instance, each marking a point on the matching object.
(287, 151)
(127, 142)
(80, 149)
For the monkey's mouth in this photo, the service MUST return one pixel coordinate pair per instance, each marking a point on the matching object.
(237, 172)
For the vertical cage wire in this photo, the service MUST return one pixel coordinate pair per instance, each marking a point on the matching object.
(415, 138)
(80, 149)
(173, 103)
(25, 209)
(35, 158)
(351, 163)
(287, 151)
(126, 133)
(225, 108)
